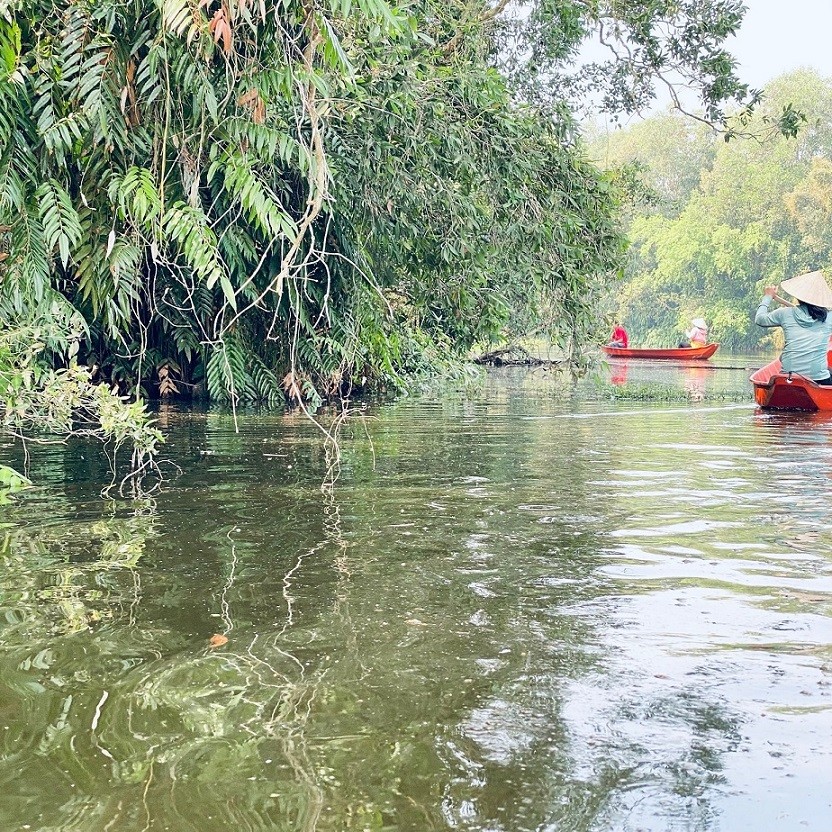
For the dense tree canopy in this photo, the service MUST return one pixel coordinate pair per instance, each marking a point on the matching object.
(264, 200)
(737, 215)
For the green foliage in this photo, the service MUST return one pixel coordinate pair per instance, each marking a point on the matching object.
(248, 197)
(639, 47)
(61, 226)
(10, 483)
(661, 159)
(653, 392)
(738, 217)
(42, 403)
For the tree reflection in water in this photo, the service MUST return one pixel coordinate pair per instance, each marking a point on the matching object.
(506, 616)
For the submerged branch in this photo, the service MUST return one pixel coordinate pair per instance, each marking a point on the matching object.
(515, 356)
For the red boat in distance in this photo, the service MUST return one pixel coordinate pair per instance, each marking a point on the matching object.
(675, 354)
(776, 390)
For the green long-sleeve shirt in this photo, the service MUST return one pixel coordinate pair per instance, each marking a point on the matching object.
(806, 339)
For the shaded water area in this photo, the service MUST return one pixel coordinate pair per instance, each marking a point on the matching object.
(524, 607)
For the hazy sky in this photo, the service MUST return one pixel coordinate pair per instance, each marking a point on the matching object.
(781, 35)
(776, 36)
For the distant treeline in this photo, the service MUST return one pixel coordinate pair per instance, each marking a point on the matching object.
(712, 222)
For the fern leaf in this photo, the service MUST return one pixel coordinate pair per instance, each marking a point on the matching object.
(188, 228)
(137, 196)
(261, 204)
(61, 226)
(178, 16)
(265, 383)
(226, 373)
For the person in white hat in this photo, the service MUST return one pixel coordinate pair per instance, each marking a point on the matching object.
(806, 327)
(697, 335)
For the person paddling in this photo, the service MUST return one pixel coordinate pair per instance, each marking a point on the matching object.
(806, 327)
(696, 336)
(698, 333)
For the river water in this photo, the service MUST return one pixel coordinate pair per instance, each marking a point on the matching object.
(525, 606)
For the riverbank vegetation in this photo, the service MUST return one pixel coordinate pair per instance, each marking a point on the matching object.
(717, 221)
(260, 201)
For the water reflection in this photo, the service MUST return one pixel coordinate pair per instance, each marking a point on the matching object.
(504, 618)
(696, 381)
(619, 372)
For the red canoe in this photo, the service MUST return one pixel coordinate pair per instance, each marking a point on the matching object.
(776, 390)
(695, 353)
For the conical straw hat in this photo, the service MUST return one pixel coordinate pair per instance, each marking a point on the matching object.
(700, 322)
(810, 288)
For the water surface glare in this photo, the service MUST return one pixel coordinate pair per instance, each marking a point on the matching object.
(521, 609)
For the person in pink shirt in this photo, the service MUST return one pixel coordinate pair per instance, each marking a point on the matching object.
(697, 335)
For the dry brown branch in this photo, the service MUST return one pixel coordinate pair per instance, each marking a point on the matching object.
(493, 12)
(514, 355)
